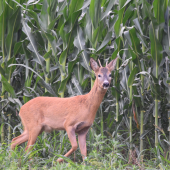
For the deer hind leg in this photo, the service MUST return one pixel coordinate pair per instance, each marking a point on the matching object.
(33, 134)
(72, 138)
(20, 139)
(82, 142)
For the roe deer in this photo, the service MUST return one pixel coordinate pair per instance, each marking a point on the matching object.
(75, 114)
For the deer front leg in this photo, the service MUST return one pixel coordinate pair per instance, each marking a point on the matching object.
(82, 142)
(72, 137)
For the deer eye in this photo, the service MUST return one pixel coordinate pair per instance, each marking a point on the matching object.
(99, 75)
(110, 75)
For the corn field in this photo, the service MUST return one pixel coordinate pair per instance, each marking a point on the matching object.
(45, 49)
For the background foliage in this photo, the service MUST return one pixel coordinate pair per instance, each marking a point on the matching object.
(45, 46)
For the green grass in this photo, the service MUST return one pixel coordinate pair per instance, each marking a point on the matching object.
(103, 154)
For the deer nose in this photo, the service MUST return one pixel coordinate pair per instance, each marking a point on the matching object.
(106, 84)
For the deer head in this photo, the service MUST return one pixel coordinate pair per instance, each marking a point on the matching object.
(103, 74)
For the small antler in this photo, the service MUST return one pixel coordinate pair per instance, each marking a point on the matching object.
(106, 63)
(99, 63)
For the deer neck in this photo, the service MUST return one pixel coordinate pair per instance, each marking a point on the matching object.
(95, 97)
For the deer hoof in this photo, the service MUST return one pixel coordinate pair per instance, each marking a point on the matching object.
(60, 160)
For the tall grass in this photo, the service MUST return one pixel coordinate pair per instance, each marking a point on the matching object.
(45, 152)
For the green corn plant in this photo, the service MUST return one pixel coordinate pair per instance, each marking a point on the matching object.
(9, 35)
(13, 26)
(122, 16)
(119, 46)
(47, 18)
(138, 52)
(2, 41)
(156, 47)
(126, 87)
(130, 114)
(136, 58)
(67, 32)
(137, 24)
(27, 77)
(166, 81)
(45, 22)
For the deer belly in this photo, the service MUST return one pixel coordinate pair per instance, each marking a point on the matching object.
(54, 124)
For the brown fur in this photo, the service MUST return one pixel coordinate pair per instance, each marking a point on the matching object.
(74, 114)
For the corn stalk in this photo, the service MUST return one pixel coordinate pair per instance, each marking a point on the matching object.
(2, 34)
(156, 47)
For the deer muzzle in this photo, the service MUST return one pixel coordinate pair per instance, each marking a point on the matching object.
(106, 85)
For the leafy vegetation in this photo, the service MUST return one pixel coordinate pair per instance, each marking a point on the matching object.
(45, 47)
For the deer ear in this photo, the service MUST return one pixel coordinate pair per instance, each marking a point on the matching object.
(94, 65)
(112, 64)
